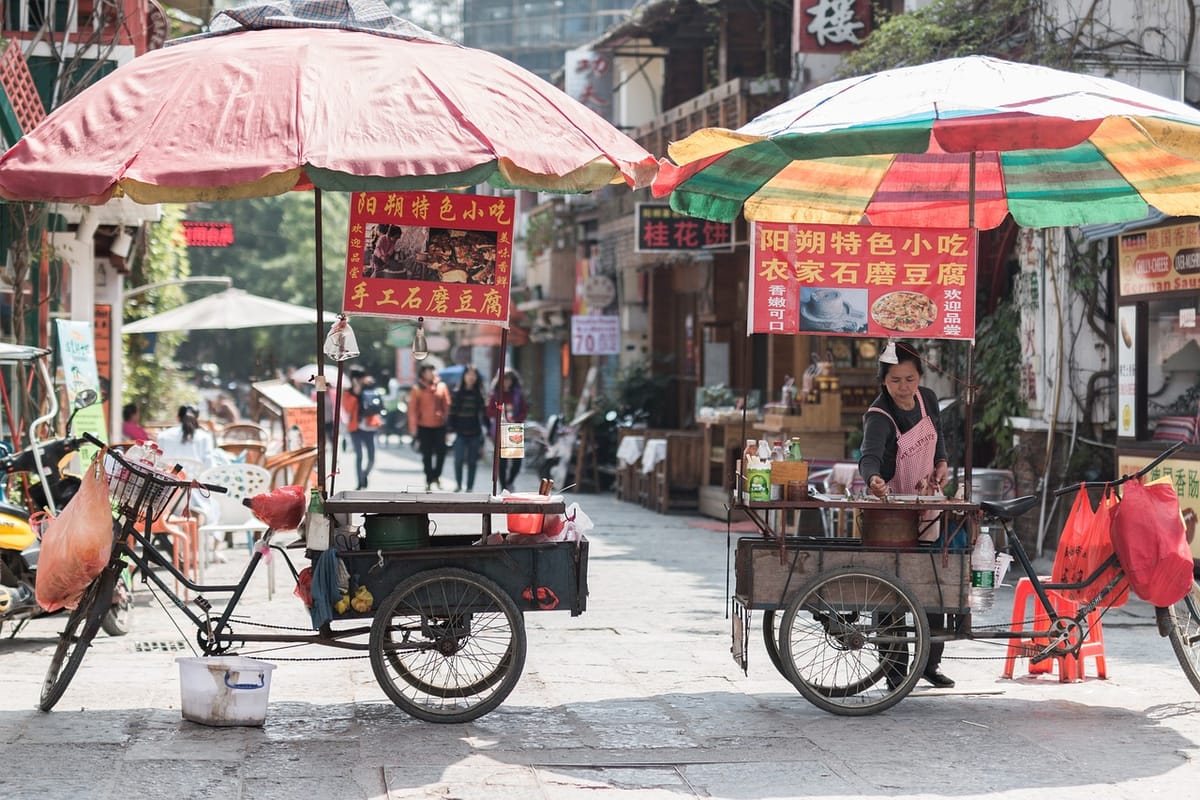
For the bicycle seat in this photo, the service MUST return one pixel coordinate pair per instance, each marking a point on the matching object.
(1008, 509)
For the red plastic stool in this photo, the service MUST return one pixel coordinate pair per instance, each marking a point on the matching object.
(1070, 667)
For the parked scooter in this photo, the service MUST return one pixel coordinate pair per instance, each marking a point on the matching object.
(19, 543)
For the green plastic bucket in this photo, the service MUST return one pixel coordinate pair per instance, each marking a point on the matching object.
(396, 532)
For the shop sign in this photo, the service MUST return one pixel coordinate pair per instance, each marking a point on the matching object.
(429, 254)
(208, 234)
(831, 26)
(661, 229)
(1185, 475)
(1127, 415)
(1165, 259)
(862, 280)
(588, 78)
(595, 336)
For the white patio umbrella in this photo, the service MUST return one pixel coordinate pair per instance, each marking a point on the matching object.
(231, 309)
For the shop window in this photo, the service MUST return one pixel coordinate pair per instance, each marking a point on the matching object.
(1173, 369)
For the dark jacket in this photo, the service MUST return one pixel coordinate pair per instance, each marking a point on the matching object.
(466, 411)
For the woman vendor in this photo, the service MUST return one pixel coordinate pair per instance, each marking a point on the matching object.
(903, 452)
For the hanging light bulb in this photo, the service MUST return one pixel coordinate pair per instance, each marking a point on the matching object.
(420, 349)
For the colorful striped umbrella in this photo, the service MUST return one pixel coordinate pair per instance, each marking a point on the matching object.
(948, 144)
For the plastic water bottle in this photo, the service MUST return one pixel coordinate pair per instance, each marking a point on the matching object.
(983, 573)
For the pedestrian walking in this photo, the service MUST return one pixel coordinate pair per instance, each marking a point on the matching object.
(509, 393)
(362, 414)
(467, 420)
(428, 408)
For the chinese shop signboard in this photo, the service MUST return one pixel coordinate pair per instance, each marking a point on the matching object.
(1185, 475)
(830, 26)
(661, 229)
(1165, 259)
(595, 336)
(208, 234)
(862, 281)
(429, 254)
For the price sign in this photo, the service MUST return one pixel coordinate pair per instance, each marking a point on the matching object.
(595, 336)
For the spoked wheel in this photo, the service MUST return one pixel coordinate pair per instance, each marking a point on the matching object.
(74, 641)
(117, 619)
(854, 641)
(448, 645)
(1185, 634)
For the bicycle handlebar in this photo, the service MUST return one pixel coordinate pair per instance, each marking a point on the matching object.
(1144, 470)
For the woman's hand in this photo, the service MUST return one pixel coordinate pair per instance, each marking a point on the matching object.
(940, 470)
(878, 486)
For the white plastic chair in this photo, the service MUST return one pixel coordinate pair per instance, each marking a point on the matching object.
(241, 481)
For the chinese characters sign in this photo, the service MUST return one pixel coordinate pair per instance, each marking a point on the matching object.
(1165, 259)
(862, 280)
(429, 254)
(662, 229)
(208, 234)
(1185, 475)
(595, 336)
(831, 26)
(588, 78)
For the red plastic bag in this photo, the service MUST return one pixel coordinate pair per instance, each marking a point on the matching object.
(282, 508)
(1070, 560)
(1149, 537)
(77, 544)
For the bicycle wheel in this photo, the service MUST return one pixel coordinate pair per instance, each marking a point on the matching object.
(1185, 634)
(770, 633)
(85, 619)
(845, 632)
(117, 619)
(447, 645)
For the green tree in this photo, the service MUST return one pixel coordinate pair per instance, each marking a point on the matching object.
(153, 379)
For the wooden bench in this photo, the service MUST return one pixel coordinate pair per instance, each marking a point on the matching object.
(676, 479)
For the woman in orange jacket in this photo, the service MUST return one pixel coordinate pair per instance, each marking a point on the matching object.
(428, 408)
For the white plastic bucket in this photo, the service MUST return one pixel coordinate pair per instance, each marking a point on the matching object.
(224, 690)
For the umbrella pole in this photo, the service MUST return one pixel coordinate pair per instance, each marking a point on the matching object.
(969, 410)
(322, 398)
(337, 424)
(499, 410)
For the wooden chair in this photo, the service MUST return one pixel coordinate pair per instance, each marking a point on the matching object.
(293, 468)
(249, 452)
(244, 432)
(681, 472)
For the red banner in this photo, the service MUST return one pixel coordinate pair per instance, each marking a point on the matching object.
(429, 254)
(862, 281)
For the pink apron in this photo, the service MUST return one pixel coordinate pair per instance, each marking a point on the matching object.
(915, 450)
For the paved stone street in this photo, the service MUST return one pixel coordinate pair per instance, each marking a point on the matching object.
(636, 698)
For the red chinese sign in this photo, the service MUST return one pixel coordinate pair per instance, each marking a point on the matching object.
(208, 234)
(862, 281)
(662, 229)
(429, 254)
(830, 26)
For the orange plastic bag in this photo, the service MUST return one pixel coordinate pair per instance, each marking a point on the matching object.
(1070, 560)
(1149, 536)
(77, 544)
(1096, 550)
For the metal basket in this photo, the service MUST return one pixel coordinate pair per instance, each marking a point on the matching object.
(137, 491)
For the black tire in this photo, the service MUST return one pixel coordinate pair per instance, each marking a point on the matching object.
(1185, 634)
(846, 630)
(770, 632)
(448, 645)
(72, 646)
(771, 640)
(119, 617)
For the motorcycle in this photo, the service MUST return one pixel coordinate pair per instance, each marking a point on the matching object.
(19, 541)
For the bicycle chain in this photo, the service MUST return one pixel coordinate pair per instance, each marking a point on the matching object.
(243, 621)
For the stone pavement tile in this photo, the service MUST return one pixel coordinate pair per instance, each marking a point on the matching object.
(473, 778)
(634, 782)
(779, 777)
(180, 779)
(331, 786)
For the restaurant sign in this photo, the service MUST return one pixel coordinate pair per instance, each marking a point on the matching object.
(862, 280)
(1165, 259)
(661, 229)
(429, 254)
(1184, 474)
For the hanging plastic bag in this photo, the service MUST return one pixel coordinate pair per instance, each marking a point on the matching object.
(1097, 549)
(1149, 536)
(77, 544)
(1070, 563)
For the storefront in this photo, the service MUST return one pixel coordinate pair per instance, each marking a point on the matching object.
(1158, 357)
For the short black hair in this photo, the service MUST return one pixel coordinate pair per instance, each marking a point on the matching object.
(904, 352)
(128, 411)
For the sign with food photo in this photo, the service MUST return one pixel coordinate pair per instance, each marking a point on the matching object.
(862, 280)
(429, 254)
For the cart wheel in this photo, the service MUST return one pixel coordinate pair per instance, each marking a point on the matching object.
(73, 642)
(854, 641)
(770, 631)
(448, 645)
(1185, 634)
